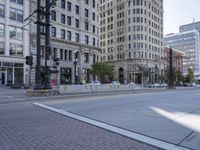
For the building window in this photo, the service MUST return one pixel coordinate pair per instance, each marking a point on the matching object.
(86, 57)
(69, 6)
(86, 1)
(69, 21)
(77, 37)
(63, 4)
(54, 53)
(77, 9)
(77, 23)
(63, 18)
(93, 3)
(53, 15)
(94, 58)
(16, 33)
(2, 29)
(86, 26)
(70, 55)
(62, 33)
(61, 54)
(17, 1)
(94, 41)
(86, 39)
(53, 31)
(66, 54)
(16, 14)
(16, 49)
(2, 10)
(93, 28)
(69, 35)
(86, 13)
(93, 16)
(2, 49)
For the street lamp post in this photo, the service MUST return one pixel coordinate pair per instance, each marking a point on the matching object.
(171, 84)
(75, 68)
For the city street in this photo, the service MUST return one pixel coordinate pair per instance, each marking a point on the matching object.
(166, 118)
(172, 116)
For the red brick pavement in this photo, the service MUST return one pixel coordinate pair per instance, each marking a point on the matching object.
(28, 127)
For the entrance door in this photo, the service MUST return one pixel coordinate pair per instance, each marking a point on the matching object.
(121, 75)
(2, 78)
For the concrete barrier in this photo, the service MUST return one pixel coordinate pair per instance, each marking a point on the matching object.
(87, 88)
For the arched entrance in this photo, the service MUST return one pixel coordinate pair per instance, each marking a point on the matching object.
(121, 75)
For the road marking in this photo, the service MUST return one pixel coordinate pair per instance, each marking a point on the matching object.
(132, 135)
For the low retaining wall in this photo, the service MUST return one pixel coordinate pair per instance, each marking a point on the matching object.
(95, 88)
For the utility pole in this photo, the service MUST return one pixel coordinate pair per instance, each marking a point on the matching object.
(47, 84)
(41, 13)
(38, 56)
(171, 82)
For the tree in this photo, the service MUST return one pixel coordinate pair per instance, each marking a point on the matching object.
(180, 77)
(190, 76)
(103, 71)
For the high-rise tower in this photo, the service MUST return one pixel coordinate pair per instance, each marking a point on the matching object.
(131, 38)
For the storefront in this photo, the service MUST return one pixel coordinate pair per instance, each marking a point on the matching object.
(65, 76)
(11, 73)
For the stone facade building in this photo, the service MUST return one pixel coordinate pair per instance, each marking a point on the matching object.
(74, 40)
(131, 38)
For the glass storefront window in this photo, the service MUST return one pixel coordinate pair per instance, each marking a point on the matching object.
(2, 48)
(2, 30)
(16, 49)
(18, 75)
(19, 50)
(12, 31)
(9, 76)
(2, 10)
(16, 33)
(12, 49)
(65, 76)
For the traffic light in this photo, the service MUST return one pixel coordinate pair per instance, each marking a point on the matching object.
(29, 60)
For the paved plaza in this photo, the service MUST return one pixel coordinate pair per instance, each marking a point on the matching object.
(28, 127)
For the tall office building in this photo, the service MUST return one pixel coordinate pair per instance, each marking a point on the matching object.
(190, 26)
(14, 42)
(187, 41)
(74, 39)
(131, 38)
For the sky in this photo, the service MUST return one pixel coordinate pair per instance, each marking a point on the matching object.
(180, 12)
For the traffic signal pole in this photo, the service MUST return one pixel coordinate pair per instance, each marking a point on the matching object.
(38, 56)
(171, 81)
(47, 84)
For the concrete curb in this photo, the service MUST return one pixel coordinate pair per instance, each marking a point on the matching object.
(132, 135)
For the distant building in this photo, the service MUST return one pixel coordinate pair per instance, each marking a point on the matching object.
(132, 38)
(190, 26)
(187, 41)
(177, 59)
(14, 42)
(74, 40)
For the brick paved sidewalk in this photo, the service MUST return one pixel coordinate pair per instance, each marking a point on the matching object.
(28, 127)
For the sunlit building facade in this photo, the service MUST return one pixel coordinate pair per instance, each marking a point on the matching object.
(14, 42)
(131, 38)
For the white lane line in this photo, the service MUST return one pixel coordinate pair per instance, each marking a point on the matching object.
(139, 137)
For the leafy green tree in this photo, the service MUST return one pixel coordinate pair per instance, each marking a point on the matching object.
(190, 76)
(179, 76)
(103, 71)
